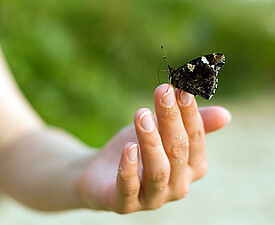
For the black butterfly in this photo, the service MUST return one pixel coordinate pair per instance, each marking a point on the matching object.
(199, 76)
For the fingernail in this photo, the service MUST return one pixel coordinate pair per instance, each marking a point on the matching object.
(168, 98)
(185, 98)
(228, 116)
(132, 153)
(146, 121)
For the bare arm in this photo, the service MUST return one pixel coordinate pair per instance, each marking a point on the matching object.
(16, 116)
(39, 165)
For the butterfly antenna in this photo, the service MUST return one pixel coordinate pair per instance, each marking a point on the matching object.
(168, 61)
(165, 56)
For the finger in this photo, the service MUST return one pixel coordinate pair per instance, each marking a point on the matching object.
(214, 118)
(156, 168)
(194, 127)
(173, 134)
(128, 184)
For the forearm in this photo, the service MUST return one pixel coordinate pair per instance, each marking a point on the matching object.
(42, 169)
(17, 118)
(39, 166)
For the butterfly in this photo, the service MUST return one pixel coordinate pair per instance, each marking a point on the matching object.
(199, 76)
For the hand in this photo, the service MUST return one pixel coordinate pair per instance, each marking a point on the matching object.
(172, 156)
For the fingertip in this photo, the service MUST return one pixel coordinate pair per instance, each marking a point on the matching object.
(129, 154)
(222, 114)
(161, 90)
(139, 114)
(129, 145)
(129, 160)
(127, 175)
(226, 114)
(214, 117)
(225, 117)
(132, 152)
(144, 121)
(185, 99)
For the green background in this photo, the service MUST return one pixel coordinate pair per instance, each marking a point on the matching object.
(87, 66)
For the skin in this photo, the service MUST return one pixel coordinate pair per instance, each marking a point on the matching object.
(145, 165)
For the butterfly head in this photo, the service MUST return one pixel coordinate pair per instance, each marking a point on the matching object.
(171, 71)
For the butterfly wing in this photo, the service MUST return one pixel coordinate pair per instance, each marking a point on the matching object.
(199, 76)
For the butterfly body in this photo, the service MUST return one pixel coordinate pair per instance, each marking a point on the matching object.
(199, 76)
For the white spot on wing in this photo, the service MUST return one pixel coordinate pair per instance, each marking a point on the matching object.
(191, 67)
(204, 60)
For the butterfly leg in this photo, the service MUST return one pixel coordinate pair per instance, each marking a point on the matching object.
(180, 93)
(159, 72)
(169, 82)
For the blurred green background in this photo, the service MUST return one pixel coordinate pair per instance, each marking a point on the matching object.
(88, 66)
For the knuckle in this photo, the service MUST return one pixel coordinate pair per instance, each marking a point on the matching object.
(171, 114)
(128, 186)
(153, 142)
(196, 135)
(161, 176)
(181, 193)
(120, 211)
(130, 191)
(184, 145)
(125, 175)
(179, 150)
(123, 210)
(150, 140)
(201, 170)
(185, 191)
(154, 206)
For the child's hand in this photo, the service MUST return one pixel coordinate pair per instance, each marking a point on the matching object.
(172, 156)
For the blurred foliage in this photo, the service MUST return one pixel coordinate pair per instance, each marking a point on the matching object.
(89, 65)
